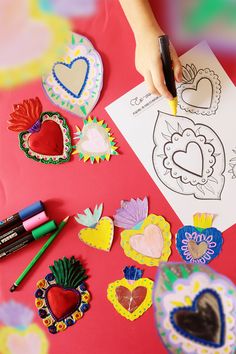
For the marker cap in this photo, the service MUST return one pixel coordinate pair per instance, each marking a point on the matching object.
(35, 221)
(44, 229)
(31, 210)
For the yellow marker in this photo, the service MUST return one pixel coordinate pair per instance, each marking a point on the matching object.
(173, 105)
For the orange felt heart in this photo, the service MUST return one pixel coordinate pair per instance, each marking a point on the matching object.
(62, 302)
(49, 140)
(131, 300)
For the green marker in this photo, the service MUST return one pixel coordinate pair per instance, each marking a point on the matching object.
(39, 254)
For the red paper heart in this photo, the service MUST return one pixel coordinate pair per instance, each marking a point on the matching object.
(62, 302)
(49, 140)
(131, 300)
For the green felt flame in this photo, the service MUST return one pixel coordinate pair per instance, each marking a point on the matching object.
(90, 219)
(68, 273)
(172, 277)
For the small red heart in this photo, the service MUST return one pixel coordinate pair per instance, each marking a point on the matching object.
(131, 300)
(49, 140)
(62, 302)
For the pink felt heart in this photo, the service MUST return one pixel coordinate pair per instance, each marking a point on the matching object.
(150, 243)
(29, 343)
(94, 142)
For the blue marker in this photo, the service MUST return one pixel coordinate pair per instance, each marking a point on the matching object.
(22, 215)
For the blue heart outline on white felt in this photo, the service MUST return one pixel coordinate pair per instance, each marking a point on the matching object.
(69, 66)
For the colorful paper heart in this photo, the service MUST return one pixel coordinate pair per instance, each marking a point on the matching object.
(62, 302)
(132, 295)
(75, 82)
(195, 309)
(199, 246)
(148, 243)
(95, 141)
(131, 300)
(204, 321)
(101, 236)
(51, 143)
(22, 343)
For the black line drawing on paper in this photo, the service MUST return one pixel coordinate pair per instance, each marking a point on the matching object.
(200, 92)
(232, 165)
(188, 158)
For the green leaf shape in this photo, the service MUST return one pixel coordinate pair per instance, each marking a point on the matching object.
(68, 273)
(89, 218)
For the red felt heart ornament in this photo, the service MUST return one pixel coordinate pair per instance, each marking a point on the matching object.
(62, 302)
(131, 300)
(49, 140)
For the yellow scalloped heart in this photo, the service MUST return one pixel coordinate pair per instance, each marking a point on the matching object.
(101, 236)
(161, 227)
(143, 307)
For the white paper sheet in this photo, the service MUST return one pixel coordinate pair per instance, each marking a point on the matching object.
(191, 157)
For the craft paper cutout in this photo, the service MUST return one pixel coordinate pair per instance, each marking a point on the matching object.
(200, 243)
(195, 309)
(62, 296)
(188, 158)
(82, 8)
(44, 136)
(131, 296)
(33, 40)
(232, 165)
(200, 92)
(75, 81)
(18, 333)
(147, 238)
(99, 232)
(95, 143)
(135, 114)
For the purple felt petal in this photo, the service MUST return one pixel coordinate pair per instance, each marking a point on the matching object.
(16, 315)
(131, 213)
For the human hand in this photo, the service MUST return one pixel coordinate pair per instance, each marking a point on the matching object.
(148, 63)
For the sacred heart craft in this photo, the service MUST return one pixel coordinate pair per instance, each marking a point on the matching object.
(200, 92)
(195, 308)
(99, 232)
(36, 41)
(95, 143)
(44, 136)
(18, 333)
(147, 238)
(62, 297)
(132, 295)
(200, 243)
(75, 82)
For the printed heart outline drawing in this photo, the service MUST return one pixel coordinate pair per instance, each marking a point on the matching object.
(194, 309)
(186, 152)
(195, 88)
(191, 79)
(69, 66)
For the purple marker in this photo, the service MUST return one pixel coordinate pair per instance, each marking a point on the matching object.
(27, 225)
(22, 215)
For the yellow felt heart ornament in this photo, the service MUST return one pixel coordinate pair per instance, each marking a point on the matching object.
(99, 231)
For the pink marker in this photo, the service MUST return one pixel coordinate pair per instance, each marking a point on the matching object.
(27, 225)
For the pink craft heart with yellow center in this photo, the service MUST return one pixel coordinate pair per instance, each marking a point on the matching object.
(29, 343)
(150, 243)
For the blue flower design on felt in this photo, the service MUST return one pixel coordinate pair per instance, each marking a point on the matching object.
(70, 66)
(204, 321)
(199, 245)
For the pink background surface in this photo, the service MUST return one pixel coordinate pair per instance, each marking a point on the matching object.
(71, 187)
